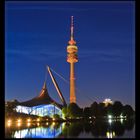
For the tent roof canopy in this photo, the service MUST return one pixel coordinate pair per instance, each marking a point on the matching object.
(42, 98)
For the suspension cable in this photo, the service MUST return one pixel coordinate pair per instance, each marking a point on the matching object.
(60, 76)
(69, 82)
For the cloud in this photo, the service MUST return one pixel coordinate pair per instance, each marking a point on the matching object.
(38, 55)
(104, 55)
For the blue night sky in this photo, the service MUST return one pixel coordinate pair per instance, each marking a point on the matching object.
(37, 34)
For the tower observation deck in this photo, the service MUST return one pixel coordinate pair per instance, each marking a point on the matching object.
(72, 58)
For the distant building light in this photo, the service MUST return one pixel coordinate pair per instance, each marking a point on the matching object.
(107, 101)
(18, 124)
(28, 124)
(110, 121)
(121, 120)
(19, 120)
(9, 121)
(9, 124)
(109, 116)
(28, 120)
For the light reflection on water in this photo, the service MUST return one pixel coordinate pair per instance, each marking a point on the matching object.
(38, 132)
(94, 129)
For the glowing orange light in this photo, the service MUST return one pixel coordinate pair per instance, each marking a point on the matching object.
(9, 124)
(28, 124)
(28, 120)
(9, 121)
(19, 124)
(19, 120)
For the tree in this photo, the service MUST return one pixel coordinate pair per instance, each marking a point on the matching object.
(87, 112)
(117, 108)
(9, 107)
(128, 111)
(74, 110)
(109, 109)
(94, 109)
(101, 110)
(65, 111)
(56, 116)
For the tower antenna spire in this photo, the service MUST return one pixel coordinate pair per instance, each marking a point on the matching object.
(72, 28)
(72, 41)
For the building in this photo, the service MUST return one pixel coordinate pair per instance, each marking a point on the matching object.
(43, 104)
(107, 102)
(72, 58)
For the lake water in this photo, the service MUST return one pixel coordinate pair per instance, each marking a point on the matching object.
(79, 129)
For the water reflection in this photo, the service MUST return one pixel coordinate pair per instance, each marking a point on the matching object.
(39, 132)
(92, 129)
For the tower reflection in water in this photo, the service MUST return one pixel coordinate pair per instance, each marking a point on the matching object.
(38, 132)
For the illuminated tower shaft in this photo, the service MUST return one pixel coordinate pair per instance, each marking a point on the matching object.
(72, 84)
(72, 58)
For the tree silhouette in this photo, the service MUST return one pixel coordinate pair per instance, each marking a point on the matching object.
(128, 111)
(74, 110)
(94, 109)
(117, 108)
(109, 109)
(87, 112)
